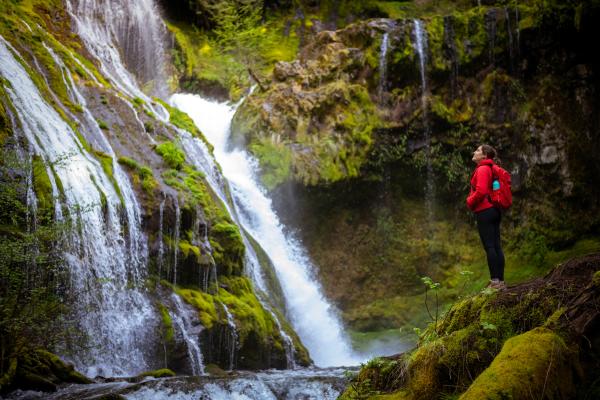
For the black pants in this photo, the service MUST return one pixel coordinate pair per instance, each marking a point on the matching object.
(488, 223)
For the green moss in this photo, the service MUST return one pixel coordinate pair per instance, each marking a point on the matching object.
(187, 249)
(171, 154)
(196, 185)
(275, 161)
(142, 175)
(129, 163)
(167, 331)
(102, 125)
(536, 360)
(43, 370)
(42, 186)
(149, 184)
(204, 303)
(596, 279)
(228, 247)
(247, 310)
(107, 165)
(158, 373)
(181, 120)
(457, 112)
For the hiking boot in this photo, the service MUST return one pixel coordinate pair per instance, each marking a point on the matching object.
(497, 284)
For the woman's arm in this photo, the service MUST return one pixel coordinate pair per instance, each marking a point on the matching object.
(483, 182)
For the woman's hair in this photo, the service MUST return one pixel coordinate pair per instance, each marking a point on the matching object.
(489, 151)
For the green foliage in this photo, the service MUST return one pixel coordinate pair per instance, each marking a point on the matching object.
(30, 267)
(220, 60)
(142, 175)
(102, 124)
(167, 329)
(228, 247)
(107, 165)
(275, 161)
(171, 154)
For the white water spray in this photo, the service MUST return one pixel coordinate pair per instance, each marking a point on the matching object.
(383, 64)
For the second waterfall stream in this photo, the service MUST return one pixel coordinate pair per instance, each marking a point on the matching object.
(309, 311)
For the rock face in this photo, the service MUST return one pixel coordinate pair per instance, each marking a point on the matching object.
(381, 158)
(504, 344)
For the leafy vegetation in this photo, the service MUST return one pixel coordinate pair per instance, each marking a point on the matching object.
(31, 267)
(172, 154)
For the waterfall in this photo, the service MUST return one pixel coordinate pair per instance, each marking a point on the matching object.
(161, 245)
(176, 240)
(105, 265)
(383, 64)
(189, 330)
(232, 341)
(203, 160)
(490, 23)
(135, 28)
(95, 137)
(310, 314)
(421, 49)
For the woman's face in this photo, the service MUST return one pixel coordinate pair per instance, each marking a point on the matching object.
(478, 155)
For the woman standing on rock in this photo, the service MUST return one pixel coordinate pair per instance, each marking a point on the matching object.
(488, 217)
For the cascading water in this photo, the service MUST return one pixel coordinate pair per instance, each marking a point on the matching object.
(139, 33)
(383, 64)
(303, 383)
(104, 265)
(232, 336)
(311, 315)
(176, 241)
(95, 137)
(189, 330)
(203, 160)
(421, 49)
(161, 246)
(490, 24)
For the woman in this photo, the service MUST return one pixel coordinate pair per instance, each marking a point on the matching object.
(488, 217)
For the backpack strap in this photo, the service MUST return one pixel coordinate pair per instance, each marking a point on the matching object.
(489, 196)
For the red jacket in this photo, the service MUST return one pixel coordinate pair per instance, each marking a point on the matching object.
(481, 187)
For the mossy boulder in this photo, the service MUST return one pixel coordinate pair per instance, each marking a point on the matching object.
(158, 373)
(315, 122)
(39, 370)
(537, 359)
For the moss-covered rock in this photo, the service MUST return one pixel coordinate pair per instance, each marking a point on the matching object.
(315, 122)
(39, 370)
(537, 359)
(158, 373)
(255, 341)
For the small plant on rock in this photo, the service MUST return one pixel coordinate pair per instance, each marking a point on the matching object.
(433, 286)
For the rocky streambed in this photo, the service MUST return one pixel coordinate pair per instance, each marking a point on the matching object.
(305, 383)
